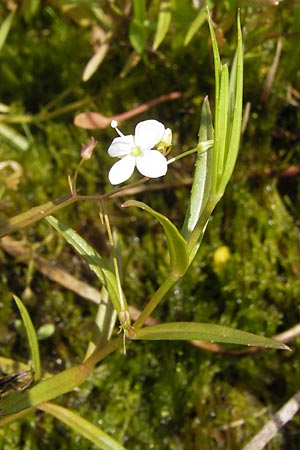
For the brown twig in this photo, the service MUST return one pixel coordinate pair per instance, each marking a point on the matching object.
(270, 429)
(96, 120)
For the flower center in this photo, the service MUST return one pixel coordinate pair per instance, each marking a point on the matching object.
(136, 151)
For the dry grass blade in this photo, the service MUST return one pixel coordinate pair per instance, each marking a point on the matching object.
(269, 430)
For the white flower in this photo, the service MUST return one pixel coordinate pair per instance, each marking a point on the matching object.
(138, 151)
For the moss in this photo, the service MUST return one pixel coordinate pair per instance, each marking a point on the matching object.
(161, 395)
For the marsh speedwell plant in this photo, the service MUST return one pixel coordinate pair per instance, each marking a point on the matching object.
(147, 151)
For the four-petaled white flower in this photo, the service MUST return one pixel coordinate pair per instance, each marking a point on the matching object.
(138, 151)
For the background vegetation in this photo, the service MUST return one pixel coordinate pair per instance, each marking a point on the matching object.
(161, 395)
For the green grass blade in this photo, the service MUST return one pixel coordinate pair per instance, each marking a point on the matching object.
(5, 28)
(32, 338)
(82, 426)
(138, 36)
(104, 324)
(179, 261)
(234, 138)
(95, 262)
(195, 26)
(163, 23)
(203, 173)
(217, 60)
(222, 125)
(137, 29)
(205, 332)
(139, 10)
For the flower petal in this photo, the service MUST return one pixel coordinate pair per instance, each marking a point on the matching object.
(122, 170)
(152, 164)
(121, 146)
(148, 133)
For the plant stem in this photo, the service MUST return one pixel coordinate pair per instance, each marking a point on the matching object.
(157, 297)
(100, 354)
(196, 235)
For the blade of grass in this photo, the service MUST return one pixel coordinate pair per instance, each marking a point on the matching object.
(82, 426)
(5, 28)
(234, 138)
(95, 262)
(203, 173)
(32, 338)
(205, 332)
(163, 23)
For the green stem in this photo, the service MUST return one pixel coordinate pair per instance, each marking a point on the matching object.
(196, 235)
(157, 297)
(201, 147)
(8, 226)
(35, 214)
(100, 354)
(192, 244)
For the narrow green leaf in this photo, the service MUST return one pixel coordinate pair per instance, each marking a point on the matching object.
(205, 332)
(138, 36)
(105, 321)
(139, 10)
(82, 426)
(29, 9)
(203, 173)
(163, 23)
(32, 338)
(137, 29)
(221, 129)
(195, 26)
(33, 215)
(217, 60)
(237, 100)
(5, 28)
(46, 390)
(176, 244)
(96, 263)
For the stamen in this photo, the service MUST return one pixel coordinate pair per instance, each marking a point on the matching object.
(114, 124)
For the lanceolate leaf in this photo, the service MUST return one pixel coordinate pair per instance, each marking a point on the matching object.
(82, 426)
(163, 23)
(236, 106)
(138, 30)
(222, 125)
(177, 246)
(5, 28)
(217, 60)
(203, 173)
(96, 263)
(32, 339)
(195, 26)
(205, 332)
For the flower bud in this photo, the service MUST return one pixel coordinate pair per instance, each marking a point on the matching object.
(87, 150)
(165, 143)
